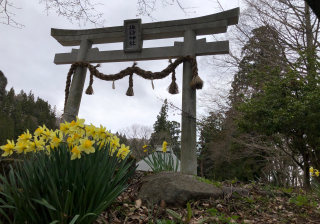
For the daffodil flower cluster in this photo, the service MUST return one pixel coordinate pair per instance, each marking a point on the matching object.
(80, 139)
(145, 147)
(164, 147)
(157, 163)
(314, 172)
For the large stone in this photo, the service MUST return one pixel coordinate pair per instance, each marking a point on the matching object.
(176, 189)
(3, 84)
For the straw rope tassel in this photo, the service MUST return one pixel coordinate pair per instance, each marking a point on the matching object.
(152, 82)
(92, 69)
(130, 89)
(173, 87)
(89, 90)
(196, 82)
(113, 87)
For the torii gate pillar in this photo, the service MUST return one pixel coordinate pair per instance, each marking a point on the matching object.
(77, 84)
(188, 123)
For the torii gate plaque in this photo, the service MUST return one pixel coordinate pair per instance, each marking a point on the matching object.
(132, 35)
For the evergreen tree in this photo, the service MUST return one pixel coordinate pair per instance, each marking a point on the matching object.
(8, 102)
(262, 53)
(6, 128)
(258, 52)
(288, 112)
(17, 117)
(30, 104)
(19, 113)
(165, 130)
(210, 129)
(45, 114)
(6, 123)
(174, 130)
(222, 156)
(122, 138)
(23, 99)
(29, 123)
(161, 125)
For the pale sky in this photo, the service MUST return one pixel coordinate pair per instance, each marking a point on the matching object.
(27, 54)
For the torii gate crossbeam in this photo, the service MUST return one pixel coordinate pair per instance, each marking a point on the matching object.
(133, 51)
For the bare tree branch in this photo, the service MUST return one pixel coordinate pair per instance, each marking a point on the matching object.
(147, 7)
(137, 131)
(77, 9)
(7, 17)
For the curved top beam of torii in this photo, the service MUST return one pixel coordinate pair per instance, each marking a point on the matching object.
(205, 25)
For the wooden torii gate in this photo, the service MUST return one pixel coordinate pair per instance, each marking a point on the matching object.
(132, 35)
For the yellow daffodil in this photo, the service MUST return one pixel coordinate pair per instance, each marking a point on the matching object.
(31, 147)
(102, 143)
(145, 150)
(311, 170)
(74, 125)
(124, 154)
(8, 148)
(111, 152)
(40, 130)
(48, 149)
(75, 138)
(35, 145)
(109, 135)
(70, 142)
(65, 127)
(86, 145)
(76, 135)
(75, 153)
(145, 146)
(91, 130)
(101, 132)
(55, 141)
(47, 134)
(123, 151)
(21, 147)
(164, 146)
(39, 143)
(25, 137)
(115, 142)
(81, 132)
(317, 173)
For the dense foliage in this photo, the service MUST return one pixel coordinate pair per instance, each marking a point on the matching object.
(226, 152)
(21, 112)
(288, 110)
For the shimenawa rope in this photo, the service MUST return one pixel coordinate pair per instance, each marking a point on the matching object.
(196, 82)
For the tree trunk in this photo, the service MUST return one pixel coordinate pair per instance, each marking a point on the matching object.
(201, 167)
(308, 28)
(310, 50)
(306, 173)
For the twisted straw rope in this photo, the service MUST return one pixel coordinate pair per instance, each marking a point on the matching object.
(196, 82)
